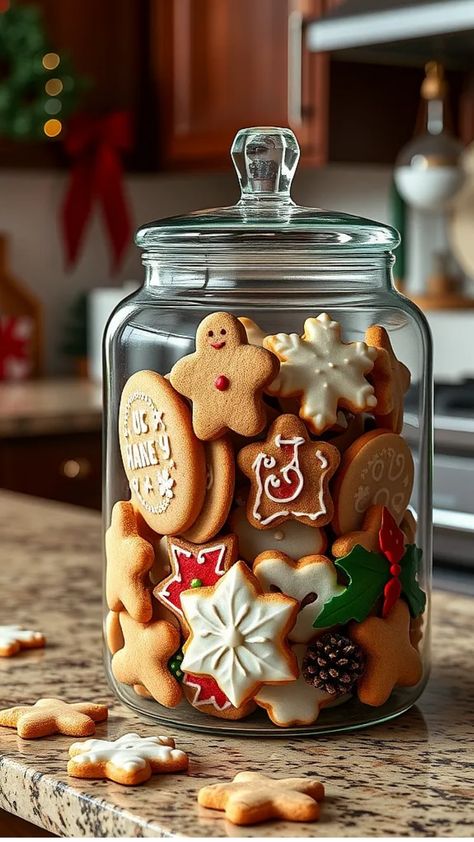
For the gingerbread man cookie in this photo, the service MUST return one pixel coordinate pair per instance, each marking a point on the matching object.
(129, 760)
(225, 379)
(323, 371)
(194, 566)
(377, 469)
(289, 476)
(391, 659)
(53, 716)
(14, 639)
(312, 581)
(390, 378)
(162, 458)
(129, 561)
(293, 538)
(238, 634)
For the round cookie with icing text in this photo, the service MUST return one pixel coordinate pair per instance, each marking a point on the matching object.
(376, 470)
(162, 458)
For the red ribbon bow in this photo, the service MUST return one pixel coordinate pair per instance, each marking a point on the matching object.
(96, 146)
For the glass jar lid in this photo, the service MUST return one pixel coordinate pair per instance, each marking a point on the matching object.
(265, 216)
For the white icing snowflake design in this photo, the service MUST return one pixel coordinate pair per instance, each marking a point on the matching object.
(9, 635)
(129, 753)
(237, 635)
(165, 483)
(324, 370)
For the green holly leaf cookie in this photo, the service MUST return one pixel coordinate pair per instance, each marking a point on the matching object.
(410, 564)
(368, 573)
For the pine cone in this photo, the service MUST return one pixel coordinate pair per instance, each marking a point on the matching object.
(333, 663)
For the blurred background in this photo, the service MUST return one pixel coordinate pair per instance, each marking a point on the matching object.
(114, 112)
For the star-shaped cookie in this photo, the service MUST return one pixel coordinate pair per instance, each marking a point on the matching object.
(14, 639)
(130, 760)
(390, 378)
(225, 379)
(391, 660)
(53, 716)
(252, 797)
(129, 561)
(143, 659)
(289, 476)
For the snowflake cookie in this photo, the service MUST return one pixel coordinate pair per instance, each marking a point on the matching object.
(15, 638)
(324, 372)
(238, 634)
(129, 760)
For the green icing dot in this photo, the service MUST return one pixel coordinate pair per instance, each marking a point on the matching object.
(174, 665)
(196, 583)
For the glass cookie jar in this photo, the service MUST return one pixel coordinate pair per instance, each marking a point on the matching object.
(267, 495)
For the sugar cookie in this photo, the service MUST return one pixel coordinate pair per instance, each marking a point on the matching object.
(53, 716)
(390, 378)
(293, 538)
(238, 634)
(129, 760)
(14, 639)
(225, 379)
(289, 476)
(220, 480)
(323, 371)
(252, 797)
(203, 693)
(162, 458)
(255, 334)
(376, 470)
(129, 560)
(312, 581)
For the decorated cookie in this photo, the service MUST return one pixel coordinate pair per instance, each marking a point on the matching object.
(129, 560)
(312, 581)
(376, 470)
(144, 657)
(252, 797)
(324, 372)
(53, 716)
(390, 379)
(163, 460)
(14, 639)
(296, 703)
(203, 693)
(238, 634)
(225, 379)
(366, 537)
(289, 476)
(293, 538)
(129, 760)
(391, 660)
(220, 480)
(194, 566)
(255, 334)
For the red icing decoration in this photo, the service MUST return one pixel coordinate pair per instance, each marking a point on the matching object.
(391, 538)
(289, 480)
(206, 565)
(222, 383)
(217, 345)
(208, 691)
(391, 592)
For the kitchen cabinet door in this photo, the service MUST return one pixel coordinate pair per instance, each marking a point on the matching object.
(219, 65)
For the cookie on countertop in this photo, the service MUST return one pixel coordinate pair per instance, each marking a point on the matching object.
(14, 639)
(129, 760)
(54, 716)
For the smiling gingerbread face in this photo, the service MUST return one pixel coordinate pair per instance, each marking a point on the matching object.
(219, 331)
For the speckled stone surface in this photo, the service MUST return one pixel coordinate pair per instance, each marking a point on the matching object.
(413, 776)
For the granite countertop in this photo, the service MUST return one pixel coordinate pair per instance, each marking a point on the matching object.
(412, 776)
(39, 407)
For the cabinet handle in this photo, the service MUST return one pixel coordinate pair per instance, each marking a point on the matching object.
(295, 67)
(76, 468)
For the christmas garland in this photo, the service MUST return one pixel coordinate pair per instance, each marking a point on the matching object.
(38, 88)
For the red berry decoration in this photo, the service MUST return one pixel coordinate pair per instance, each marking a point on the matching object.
(391, 538)
(222, 383)
(391, 593)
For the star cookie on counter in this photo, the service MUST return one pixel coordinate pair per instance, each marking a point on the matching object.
(391, 660)
(293, 538)
(252, 797)
(225, 378)
(143, 659)
(14, 639)
(390, 378)
(238, 634)
(129, 760)
(289, 476)
(324, 372)
(194, 566)
(311, 580)
(129, 561)
(53, 716)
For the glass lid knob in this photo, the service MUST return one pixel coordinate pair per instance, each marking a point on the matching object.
(265, 159)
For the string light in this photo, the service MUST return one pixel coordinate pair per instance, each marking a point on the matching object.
(4, 6)
(52, 128)
(53, 87)
(53, 106)
(51, 61)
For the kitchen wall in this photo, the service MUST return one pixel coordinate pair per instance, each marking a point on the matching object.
(29, 214)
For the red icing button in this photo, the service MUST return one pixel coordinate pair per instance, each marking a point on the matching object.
(395, 570)
(222, 382)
